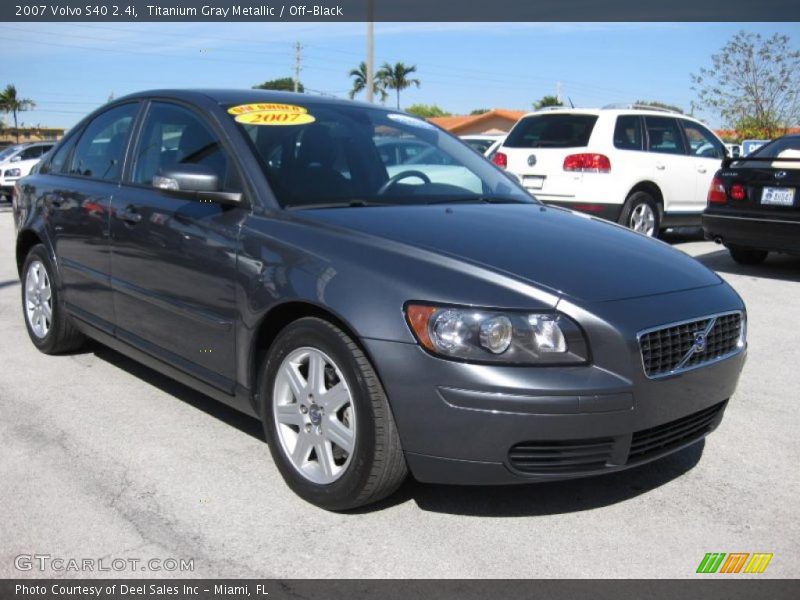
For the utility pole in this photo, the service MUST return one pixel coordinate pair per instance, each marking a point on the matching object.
(297, 67)
(370, 51)
(558, 92)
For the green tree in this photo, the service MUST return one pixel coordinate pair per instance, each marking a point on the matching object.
(426, 111)
(397, 78)
(359, 76)
(657, 104)
(478, 111)
(10, 102)
(547, 101)
(753, 84)
(282, 84)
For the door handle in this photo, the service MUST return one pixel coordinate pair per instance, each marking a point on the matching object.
(129, 215)
(661, 167)
(701, 169)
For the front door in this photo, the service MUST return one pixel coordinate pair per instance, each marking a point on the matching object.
(674, 172)
(174, 260)
(706, 152)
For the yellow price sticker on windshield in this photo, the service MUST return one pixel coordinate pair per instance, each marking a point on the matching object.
(265, 113)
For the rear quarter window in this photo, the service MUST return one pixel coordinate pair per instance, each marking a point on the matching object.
(552, 131)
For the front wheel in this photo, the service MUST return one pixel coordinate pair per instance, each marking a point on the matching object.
(747, 256)
(641, 214)
(327, 419)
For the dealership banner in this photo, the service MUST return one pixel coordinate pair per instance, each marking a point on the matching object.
(382, 589)
(398, 10)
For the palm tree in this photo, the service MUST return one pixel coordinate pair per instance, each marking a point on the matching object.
(359, 76)
(10, 103)
(396, 78)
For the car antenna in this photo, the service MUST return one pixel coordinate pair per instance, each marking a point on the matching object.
(571, 105)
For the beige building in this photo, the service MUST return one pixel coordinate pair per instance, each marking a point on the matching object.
(8, 135)
(495, 121)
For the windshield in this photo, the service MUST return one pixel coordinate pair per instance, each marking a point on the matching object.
(552, 131)
(480, 146)
(787, 147)
(9, 151)
(342, 155)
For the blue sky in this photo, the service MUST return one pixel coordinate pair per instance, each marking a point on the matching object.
(69, 69)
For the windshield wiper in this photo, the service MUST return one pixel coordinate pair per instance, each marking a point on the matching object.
(478, 200)
(343, 204)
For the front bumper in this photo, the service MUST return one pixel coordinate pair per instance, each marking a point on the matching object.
(761, 233)
(480, 424)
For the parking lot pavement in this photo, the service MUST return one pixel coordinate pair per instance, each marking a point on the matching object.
(103, 458)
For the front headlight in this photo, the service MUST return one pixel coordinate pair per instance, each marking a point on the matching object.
(498, 336)
(13, 173)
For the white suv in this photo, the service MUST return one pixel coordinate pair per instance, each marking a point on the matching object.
(644, 168)
(17, 161)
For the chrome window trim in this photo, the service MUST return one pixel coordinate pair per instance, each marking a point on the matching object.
(740, 346)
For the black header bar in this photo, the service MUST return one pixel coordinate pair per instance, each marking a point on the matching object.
(399, 10)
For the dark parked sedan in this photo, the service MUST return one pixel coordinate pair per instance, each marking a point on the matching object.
(753, 207)
(436, 320)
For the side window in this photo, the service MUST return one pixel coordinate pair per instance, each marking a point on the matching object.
(59, 159)
(628, 133)
(172, 136)
(99, 151)
(31, 153)
(664, 135)
(701, 141)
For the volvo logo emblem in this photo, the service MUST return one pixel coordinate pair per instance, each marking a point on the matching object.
(531, 160)
(780, 174)
(699, 341)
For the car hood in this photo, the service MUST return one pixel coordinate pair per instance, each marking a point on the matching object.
(567, 253)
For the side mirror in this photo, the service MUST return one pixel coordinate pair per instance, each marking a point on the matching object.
(17, 158)
(194, 182)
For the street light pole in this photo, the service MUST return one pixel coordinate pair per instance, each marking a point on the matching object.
(370, 52)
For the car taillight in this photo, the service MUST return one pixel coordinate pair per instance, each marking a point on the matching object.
(716, 192)
(738, 192)
(587, 163)
(500, 159)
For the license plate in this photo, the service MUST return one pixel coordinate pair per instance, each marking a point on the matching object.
(533, 182)
(777, 196)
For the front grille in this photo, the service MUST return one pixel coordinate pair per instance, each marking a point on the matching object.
(674, 348)
(660, 439)
(568, 456)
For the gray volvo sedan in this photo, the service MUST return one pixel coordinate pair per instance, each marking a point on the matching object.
(383, 298)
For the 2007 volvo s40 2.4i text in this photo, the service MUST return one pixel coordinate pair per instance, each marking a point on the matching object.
(380, 313)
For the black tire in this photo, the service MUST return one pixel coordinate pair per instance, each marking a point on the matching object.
(747, 256)
(62, 335)
(636, 200)
(377, 465)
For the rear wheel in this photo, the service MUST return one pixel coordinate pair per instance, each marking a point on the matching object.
(48, 323)
(747, 256)
(641, 214)
(327, 419)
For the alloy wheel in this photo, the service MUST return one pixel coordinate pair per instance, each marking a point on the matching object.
(643, 219)
(314, 415)
(38, 299)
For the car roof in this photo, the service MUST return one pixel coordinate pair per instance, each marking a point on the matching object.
(234, 96)
(610, 111)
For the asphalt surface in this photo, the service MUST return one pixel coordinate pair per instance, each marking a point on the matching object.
(103, 458)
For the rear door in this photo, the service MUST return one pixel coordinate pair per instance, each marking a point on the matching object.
(174, 260)
(707, 152)
(82, 178)
(537, 146)
(674, 171)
